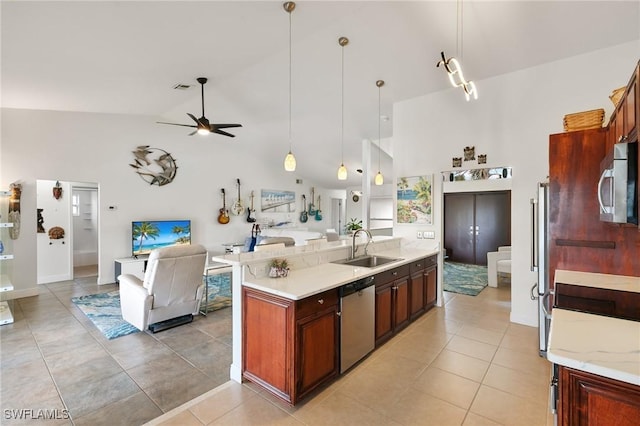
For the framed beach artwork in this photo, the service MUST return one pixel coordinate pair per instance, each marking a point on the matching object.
(276, 201)
(414, 202)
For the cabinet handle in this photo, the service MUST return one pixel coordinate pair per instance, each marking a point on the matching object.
(394, 273)
(419, 265)
(321, 301)
(622, 138)
(394, 288)
(339, 313)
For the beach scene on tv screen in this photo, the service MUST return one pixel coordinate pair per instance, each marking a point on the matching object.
(149, 235)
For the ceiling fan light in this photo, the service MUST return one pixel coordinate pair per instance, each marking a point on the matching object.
(379, 179)
(203, 131)
(342, 172)
(290, 162)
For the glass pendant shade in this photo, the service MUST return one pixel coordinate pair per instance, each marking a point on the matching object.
(290, 162)
(203, 131)
(342, 172)
(378, 180)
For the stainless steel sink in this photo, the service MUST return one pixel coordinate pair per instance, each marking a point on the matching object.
(368, 261)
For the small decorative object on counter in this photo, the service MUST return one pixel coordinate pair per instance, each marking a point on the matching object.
(353, 225)
(279, 268)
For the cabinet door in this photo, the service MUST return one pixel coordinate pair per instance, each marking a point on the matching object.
(317, 350)
(629, 108)
(417, 299)
(401, 304)
(384, 312)
(587, 399)
(268, 342)
(431, 281)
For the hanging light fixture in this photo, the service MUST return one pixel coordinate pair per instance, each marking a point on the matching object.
(342, 170)
(452, 66)
(379, 179)
(289, 160)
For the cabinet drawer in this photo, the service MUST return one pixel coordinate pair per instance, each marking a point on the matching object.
(392, 275)
(316, 303)
(425, 263)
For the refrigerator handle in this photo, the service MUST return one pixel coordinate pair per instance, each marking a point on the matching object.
(534, 293)
(543, 304)
(534, 235)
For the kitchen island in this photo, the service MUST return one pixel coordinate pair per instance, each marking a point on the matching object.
(286, 330)
(598, 356)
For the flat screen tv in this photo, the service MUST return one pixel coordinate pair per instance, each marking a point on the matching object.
(152, 234)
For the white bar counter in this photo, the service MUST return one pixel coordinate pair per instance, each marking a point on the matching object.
(604, 281)
(608, 347)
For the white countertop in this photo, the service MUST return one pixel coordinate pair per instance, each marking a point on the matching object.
(605, 281)
(305, 282)
(597, 344)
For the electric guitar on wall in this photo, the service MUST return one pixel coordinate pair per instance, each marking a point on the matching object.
(223, 217)
(304, 216)
(312, 208)
(250, 211)
(319, 211)
(237, 208)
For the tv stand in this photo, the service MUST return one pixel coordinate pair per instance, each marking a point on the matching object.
(135, 265)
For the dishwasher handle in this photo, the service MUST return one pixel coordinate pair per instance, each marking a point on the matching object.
(356, 286)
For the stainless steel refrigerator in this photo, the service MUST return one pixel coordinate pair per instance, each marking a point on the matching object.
(541, 290)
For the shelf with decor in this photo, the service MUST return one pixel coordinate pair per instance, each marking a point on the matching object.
(6, 317)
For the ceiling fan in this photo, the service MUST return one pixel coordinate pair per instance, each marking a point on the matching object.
(202, 126)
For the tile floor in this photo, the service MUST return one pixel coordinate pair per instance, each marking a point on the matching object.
(463, 364)
(52, 357)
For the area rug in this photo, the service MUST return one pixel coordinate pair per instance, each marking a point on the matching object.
(103, 310)
(464, 279)
(219, 291)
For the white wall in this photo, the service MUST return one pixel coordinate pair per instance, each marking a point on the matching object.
(87, 147)
(511, 123)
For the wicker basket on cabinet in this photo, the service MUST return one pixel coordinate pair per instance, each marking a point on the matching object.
(584, 120)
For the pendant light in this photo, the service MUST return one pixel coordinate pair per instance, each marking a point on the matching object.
(452, 66)
(289, 160)
(342, 170)
(379, 179)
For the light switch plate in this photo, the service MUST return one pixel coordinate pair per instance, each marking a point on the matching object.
(428, 234)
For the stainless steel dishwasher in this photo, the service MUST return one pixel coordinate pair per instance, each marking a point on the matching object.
(357, 321)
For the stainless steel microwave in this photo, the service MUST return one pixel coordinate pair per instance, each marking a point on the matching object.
(617, 187)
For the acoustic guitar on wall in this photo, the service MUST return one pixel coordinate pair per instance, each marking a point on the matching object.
(223, 217)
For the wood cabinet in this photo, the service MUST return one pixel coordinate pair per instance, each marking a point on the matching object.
(623, 124)
(578, 240)
(588, 399)
(290, 347)
(613, 303)
(391, 303)
(423, 285)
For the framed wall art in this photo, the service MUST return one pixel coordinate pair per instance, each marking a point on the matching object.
(276, 201)
(414, 201)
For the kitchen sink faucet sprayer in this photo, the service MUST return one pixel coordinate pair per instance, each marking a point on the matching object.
(353, 244)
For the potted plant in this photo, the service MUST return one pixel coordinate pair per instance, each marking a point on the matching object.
(353, 225)
(278, 268)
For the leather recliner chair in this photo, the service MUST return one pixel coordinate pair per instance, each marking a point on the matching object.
(171, 291)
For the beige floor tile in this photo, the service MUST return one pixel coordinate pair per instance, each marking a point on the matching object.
(340, 409)
(221, 402)
(134, 410)
(521, 338)
(529, 362)
(508, 409)
(256, 410)
(183, 418)
(473, 348)
(473, 419)
(531, 386)
(462, 365)
(480, 334)
(447, 386)
(417, 408)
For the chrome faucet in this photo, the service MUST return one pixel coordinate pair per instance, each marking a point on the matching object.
(354, 249)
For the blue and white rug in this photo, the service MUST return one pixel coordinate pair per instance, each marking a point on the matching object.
(103, 310)
(463, 278)
(219, 291)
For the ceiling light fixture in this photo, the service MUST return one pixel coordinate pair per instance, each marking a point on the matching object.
(289, 160)
(379, 179)
(342, 170)
(452, 66)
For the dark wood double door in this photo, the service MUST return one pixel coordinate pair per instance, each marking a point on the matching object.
(476, 223)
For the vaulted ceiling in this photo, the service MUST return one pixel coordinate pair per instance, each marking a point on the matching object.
(125, 57)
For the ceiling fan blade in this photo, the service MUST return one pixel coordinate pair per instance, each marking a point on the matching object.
(224, 126)
(192, 133)
(193, 117)
(176, 124)
(222, 132)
